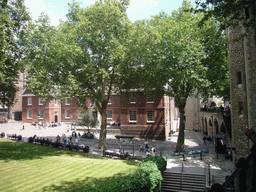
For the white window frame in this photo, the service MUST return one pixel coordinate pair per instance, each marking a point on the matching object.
(132, 115)
(110, 101)
(92, 104)
(67, 101)
(152, 115)
(67, 114)
(40, 101)
(29, 114)
(41, 114)
(132, 98)
(29, 100)
(111, 114)
(149, 99)
(56, 101)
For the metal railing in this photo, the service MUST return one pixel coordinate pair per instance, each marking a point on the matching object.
(242, 178)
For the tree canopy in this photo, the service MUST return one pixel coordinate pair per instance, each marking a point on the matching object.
(13, 20)
(190, 60)
(84, 57)
(229, 13)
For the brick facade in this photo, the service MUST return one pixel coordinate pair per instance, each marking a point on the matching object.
(143, 116)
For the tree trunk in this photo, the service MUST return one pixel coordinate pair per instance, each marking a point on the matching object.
(181, 137)
(103, 130)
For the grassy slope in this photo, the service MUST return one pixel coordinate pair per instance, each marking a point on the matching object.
(29, 167)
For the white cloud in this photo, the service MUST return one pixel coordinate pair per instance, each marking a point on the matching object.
(141, 4)
(37, 7)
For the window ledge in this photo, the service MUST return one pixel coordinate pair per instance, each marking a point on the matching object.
(150, 121)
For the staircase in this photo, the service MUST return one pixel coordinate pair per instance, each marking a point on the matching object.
(183, 182)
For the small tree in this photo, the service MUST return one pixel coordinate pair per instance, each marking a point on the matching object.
(88, 120)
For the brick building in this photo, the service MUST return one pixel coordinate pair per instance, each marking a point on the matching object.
(142, 115)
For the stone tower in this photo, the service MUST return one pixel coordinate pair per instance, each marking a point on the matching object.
(242, 68)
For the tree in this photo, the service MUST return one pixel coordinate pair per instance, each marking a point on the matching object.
(84, 57)
(13, 20)
(88, 120)
(180, 55)
(229, 13)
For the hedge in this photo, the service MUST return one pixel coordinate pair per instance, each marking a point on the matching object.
(147, 178)
(159, 161)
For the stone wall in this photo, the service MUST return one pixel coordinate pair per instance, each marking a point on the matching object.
(238, 87)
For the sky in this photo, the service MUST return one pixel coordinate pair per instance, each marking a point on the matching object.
(139, 9)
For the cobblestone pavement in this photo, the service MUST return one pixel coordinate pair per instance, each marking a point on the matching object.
(219, 167)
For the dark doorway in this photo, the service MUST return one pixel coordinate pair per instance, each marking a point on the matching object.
(56, 116)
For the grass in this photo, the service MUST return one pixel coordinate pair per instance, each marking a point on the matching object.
(29, 167)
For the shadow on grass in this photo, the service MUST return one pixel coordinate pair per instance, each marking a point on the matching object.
(80, 185)
(13, 150)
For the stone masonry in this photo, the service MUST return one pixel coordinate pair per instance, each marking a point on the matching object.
(241, 56)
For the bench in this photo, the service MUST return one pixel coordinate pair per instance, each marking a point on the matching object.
(191, 153)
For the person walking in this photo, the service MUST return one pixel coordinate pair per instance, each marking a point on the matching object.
(204, 138)
(153, 151)
(146, 144)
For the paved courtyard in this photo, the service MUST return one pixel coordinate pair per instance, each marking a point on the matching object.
(193, 141)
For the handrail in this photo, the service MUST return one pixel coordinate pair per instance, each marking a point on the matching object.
(235, 174)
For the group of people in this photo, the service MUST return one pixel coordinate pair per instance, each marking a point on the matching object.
(147, 149)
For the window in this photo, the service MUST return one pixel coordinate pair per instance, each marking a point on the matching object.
(239, 77)
(150, 116)
(29, 113)
(150, 99)
(56, 101)
(29, 101)
(67, 114)
(109, 114)
(132, 98)
(177, 113)
(41, 102)
(67, 101)
(40, 114)
(240, 108)
(133, 116)
(109, 101)
(95, 114)
(91, 104)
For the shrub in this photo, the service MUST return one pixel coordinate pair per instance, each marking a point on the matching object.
(159, 161)
(147, 178)
(153, 174)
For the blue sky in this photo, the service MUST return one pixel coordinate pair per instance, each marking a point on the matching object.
(139, 9)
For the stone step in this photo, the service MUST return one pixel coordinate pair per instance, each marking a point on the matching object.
(183, 182)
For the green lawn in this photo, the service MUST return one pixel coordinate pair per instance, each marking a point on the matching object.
(29, 167)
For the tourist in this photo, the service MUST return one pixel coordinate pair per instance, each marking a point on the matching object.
(147, 152)
(120, 150)
(204, 138)
(146, 144)
(141, 148)
(153, 151)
